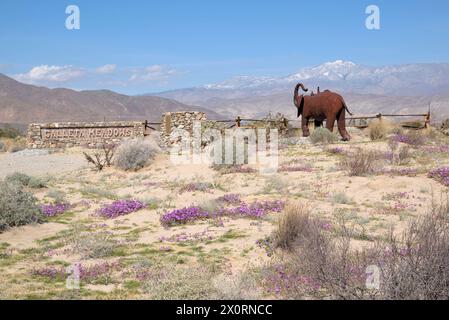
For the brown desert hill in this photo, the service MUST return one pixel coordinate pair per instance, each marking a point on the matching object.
(23, 103)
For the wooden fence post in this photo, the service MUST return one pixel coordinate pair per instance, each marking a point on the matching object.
(427, 120)
(379, 116)
(237, 121)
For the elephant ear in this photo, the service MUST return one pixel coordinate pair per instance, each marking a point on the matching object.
(301, 105)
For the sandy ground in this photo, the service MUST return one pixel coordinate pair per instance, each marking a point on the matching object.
(370, 207)
(39, 165)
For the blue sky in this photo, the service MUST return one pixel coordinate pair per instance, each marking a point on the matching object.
(148, 46)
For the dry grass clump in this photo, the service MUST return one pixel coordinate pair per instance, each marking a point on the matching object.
(412, 266)
(360, 162)
(379, 129)
(134, 154)
(17, 144)
(293, 223)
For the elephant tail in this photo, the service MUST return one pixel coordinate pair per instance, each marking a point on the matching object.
(346, 107)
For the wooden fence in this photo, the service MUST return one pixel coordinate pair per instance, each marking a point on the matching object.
(350, 121)
(237, 122)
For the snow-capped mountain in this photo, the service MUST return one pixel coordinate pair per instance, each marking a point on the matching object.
(372, 89)
(411, 79)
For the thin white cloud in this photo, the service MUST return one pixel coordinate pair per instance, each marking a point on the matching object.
(152, 73)
(46, 73)
(106, 69)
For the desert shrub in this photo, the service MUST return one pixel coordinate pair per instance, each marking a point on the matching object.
(412, 266)
(318, 263)
(378, 129)
(17, 207)
(134, 154)
(360, 163)
(18, 178)
(276, 183)
(9, 132)
(396, 129)
(210, 205)
(341, 198)
(93, 245)
(17, 144)
(171, 282)
(322, 135)
(417, 264)
(290, 226)
(57, 195)
(26, 180)
(101, 159)
(404, 155)
(243, 286)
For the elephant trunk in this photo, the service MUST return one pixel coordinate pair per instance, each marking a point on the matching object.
(295, 97)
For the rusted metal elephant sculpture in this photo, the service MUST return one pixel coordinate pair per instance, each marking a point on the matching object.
(325, 105)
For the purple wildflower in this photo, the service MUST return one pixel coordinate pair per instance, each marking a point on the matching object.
(120, 208)
(254, 210)
(51, 210)
(87, 273)
(441, 175)
(230, 199)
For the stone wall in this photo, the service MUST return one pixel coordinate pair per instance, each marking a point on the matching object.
(445, 127)
(178, 120)
(86, 134)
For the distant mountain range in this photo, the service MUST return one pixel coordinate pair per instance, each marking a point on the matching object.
(21, 103)
(367, 90)
(389, 89)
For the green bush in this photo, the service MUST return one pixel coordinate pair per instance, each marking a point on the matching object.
(322, 135)
(25, 180)
(17, 207)
(18, 178)
(8, 132)
(134, 154)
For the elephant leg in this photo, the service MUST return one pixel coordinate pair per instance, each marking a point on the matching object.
(330, 122)
(341, 120)
(305, 126)
(318, 124)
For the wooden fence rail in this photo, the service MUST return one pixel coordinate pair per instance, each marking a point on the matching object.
(238, 120)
